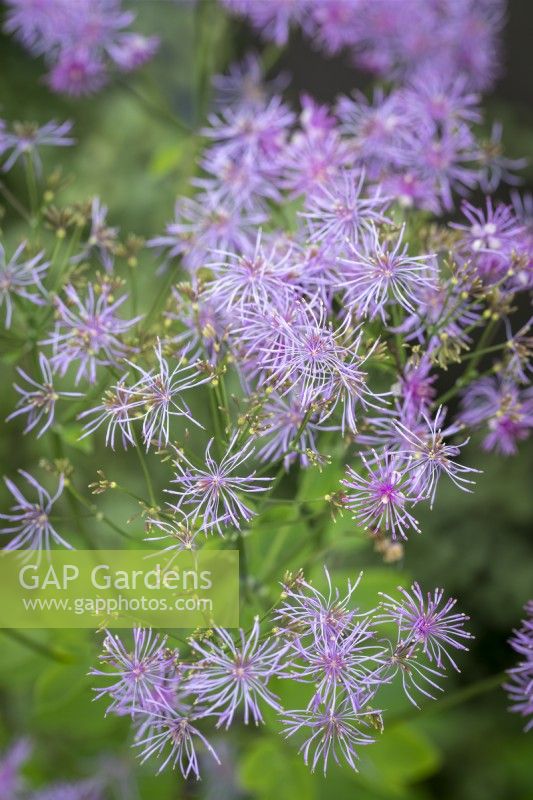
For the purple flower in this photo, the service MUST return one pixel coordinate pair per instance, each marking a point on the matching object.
(416, 389)
(88, 331)
(208, 222)
(429, 456)
(379, 500)
(170, 732)
(288, 437)
(416, 676)
(159, 392)
(181, 533)
(520, 683)
(215, 493)
(306, 610)
(117, 410)
(489, 239)
(78, 71)
(206, 327)
(38, 401)
(232, 675)
(250, 130)
(379, 273)
(30, 521)
(139, 676)
(337, 664)
(102, 239)
(253, 278)
(11, 762)
(495, 167)
(16, 278)
(26, 139)
(427, 621)
(321, 363)
(337, 211)
(504, 408)
(333, 730)
(79, 46)
(244, 84)
(311, 162)
(131, 50)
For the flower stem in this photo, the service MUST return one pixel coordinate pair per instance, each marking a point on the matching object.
(52, 653)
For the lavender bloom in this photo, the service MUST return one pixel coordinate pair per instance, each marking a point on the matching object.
(131, 50)
(230, 675)
(337, 664)
(255, 278)
(415, 676)
(30, 521)
(11, 763)
(333, 730)
(167, 727)
(88, 332)
(140, 676)
(495, 167)
(180, 532)
(379, 501)
(428, 622)
(489, 239)
(504, 408)
(520, 683)
(39, 399)
(206, 327)
(288, 436)
(79, 46)
(77, 72)
(102, 239)
(159, 391)
(416, 389)
(323, 364)
(312, 162)
(207, 223)
(117, 410)
(244, 84)
(429, 456)
(378, 273)
(251, 131)
(26, 140)
(215, 492)
(306, 610)
(16, 278)
(337, 211)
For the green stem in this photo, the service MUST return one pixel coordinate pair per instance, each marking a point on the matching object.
(96, 513)
(17, 205)
(146, 471)
(52, 653)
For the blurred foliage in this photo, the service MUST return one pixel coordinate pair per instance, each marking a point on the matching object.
(478, 546)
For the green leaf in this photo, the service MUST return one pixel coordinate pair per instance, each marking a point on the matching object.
(70, 434)
(272, 770)
(401, 756)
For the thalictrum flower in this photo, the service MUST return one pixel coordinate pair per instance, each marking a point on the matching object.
(380, 497)
(230, 676)
(30, 520)
(38, 400)
(88, 331)
(429, 456)
(332, 730)
(428, 621)
(171, 733)
(215, 492)
(520, 682)
(378, 273)
(17, 277)
(138, 676)
(26, 139)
